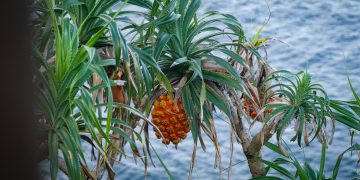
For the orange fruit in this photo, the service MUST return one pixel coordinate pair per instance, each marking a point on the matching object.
(118, 91)
(248, 106)
(170, 118)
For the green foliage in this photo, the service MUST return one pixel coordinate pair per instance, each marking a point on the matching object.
(302, 171)
(184, 44)
(303, 100)
(171, 50)
(169, 46)
(348, 113)
(345, 112)
(180, 41)
(59, 89)
(354, 147)
(64, 96)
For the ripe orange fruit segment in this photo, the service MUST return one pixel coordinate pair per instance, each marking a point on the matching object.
(170, 118)
(248, 106)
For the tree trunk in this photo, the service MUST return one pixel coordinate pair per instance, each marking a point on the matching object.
(255, 165)
(252, 146)
(253, 152)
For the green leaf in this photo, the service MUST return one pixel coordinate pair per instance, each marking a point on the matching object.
(161, 43)
(322, 160)
(222, 79)
(101, 72)
(116, 41)
(256, 37)
(188, 106)
(285, 121)
(301, 125)
(274, 148)
(345, 116)
(54, 157)
(179, 61)
(278, 168)
(338, 161)
(235, 56)
(141, 3)
(202, 99)
(354, 93)
(225, 64)
(190, 13)
(147, 58)
(215, 98)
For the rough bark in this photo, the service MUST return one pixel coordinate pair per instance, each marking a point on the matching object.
(253, 152)
(256, 167)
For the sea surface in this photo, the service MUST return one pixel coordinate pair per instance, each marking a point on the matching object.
(322, 37)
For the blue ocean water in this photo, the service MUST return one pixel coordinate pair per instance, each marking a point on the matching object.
(322, 37)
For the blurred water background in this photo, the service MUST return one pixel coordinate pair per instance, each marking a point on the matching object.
(322, 37)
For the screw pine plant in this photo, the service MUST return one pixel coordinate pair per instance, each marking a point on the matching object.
(297, 99)
(184, 50)
(345, 112)
(304, 101)
(348, 113)
(302, 171)
(72, 72)
(104, 78)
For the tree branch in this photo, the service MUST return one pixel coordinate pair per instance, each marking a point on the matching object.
(260, 139)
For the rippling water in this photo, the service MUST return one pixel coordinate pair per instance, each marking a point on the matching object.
(320, 36)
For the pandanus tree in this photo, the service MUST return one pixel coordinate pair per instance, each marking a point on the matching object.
(71, 48)
(101, 75)
(345, 112)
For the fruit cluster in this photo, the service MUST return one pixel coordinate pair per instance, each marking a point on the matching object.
(171, 120)
(249, 108)
(118, 91)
